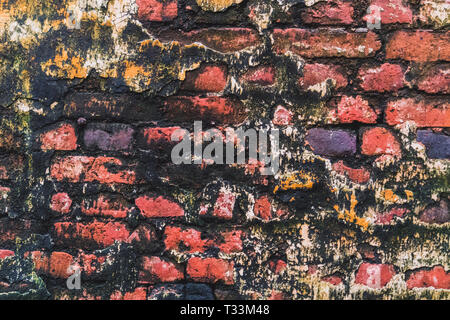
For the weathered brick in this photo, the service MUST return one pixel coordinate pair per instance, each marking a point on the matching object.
(437, 145)
(334, 280)
(11, 166)
(193, 241)
(61, 202)
(263, 75)
(93, 234)
(333, 143)
(379, 141)
(108, 136)
(210, 270)
(159, 137)
(330, 13)
(385, 78)
(217, 109)
(224, 206)
(157, 10)
(55, 265)
(6, 253)
(90, 169)
(158, 207)
(423, 112)
(144, 238)
(388, 217)
(225, 40)
(353, 109)
(389, 11)
(315, 77)
(140, 293)
(208, 78)
(374, 276)
(435, 79)
(106, 206)
(154, 269)
(326, 43)
(428, 46)
(360, 175)
(62, 137)
(282, 116)
(437, 214)
(435, 277)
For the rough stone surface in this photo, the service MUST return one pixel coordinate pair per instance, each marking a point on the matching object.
(95, 95)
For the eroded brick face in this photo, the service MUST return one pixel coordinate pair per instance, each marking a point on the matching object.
(95, 95)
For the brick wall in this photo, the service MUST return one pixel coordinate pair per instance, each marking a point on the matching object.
(91, 93)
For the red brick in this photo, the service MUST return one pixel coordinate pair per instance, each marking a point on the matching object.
(106, 206)
(390, 11)
(427, 46)
(6, 253)
(435, 80)
(334, 280)
(61, 138)
(354, 109)
(263, 75)
(160, 137)
(211, 270)
(108, 136)
(436, 277)
(154, 269)
(225, 40)
(61, 202)
(277, 266)
(263, 208)
(331, 13)
(98, 234)
(374, 276)
(157, 10)
(208, 78)
(326, 43)
(423, 112)
(55, 265)
(223, 208)
(282, 116)
(314, 75)
(217, 109)
(387, 77)
(139, 293)
(192, 241)
(386, 218)
(90, 169)
(94, 265)
(360, 175)
(378, 141)
(159, 207)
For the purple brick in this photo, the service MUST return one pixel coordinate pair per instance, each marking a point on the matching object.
(436, 214)
(108, 136)
(332, 143)
(437, 145)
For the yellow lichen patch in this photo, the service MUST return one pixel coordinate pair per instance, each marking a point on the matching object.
(136, 76)
(350, 215)
(297, 180)
(65, 65)
(389, 195)
(216, 5)
(409, 195)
